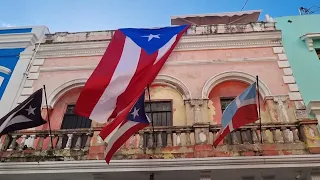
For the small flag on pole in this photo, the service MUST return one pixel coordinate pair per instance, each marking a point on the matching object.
(132, 60)
(126, 124)
(24, 116)
(241, 111)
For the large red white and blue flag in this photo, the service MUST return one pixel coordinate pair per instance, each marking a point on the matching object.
(132, 60)
(241, 111)
(125, 125)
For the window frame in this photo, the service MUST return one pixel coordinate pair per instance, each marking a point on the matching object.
(318, 52)
(159, 101)
(225, 98)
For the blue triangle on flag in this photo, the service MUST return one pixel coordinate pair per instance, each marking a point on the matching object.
(152, 40)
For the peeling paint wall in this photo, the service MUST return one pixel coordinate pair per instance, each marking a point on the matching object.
(163, 92)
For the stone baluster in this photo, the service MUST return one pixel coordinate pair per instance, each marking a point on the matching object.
(226, 140)
(295, 134)
(244, 136)
(1, 143)
(235, 140)
(141, 140)
(59, 142)
(132, 141)
(150, 140)
(5, 144)
(169, 138)
(40, 142)
(188, 140)
(255, 137)
(31, 141)
(23, 140)
(264, 136)
(49, 143)
(276, 138)
(285, 135)
(79, 142)
(89, 136)
(68, 145)
(178, 133)
(13, 143)
(159, 139)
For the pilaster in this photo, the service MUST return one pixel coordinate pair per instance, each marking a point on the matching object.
(314, 108)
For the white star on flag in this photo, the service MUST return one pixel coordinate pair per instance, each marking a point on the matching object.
(30, 110)
(151, 36)
(135, 112)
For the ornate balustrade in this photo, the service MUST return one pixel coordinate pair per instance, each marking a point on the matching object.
(85, 144)
(62, 139)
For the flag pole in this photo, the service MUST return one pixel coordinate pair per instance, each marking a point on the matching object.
(153, 134)
(259, 108)
(48, 116)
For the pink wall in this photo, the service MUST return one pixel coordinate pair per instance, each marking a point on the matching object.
(193, 75)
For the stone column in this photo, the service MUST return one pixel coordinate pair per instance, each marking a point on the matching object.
(196, 106)
(281, 110)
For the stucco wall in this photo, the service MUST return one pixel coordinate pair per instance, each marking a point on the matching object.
(304, 63)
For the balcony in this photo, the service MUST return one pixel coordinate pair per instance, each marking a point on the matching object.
(169, 143)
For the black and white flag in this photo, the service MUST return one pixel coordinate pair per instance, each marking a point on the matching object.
(24, 116)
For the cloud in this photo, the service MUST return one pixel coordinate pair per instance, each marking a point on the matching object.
(3, 24)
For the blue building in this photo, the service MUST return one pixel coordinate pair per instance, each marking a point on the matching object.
(17, 48)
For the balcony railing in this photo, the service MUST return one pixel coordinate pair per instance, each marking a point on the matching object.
(80, 139)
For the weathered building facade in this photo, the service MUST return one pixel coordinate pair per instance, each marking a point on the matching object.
(213, 63)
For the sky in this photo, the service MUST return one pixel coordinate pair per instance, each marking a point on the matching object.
(93, 15)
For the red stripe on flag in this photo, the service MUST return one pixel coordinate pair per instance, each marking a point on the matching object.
(244, 115)
(142, 79)
(107, 130)
(120, 141)
(101, 76)
(136, 85)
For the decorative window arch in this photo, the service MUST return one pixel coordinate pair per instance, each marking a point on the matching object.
(173, 83)
(4, 70)
(233, 75)
(160, 79)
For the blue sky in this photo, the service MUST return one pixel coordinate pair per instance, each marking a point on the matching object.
(90, 15)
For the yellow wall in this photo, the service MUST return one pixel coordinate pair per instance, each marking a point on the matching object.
(159, 92)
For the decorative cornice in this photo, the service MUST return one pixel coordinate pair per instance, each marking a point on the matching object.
(314, 107)
(190, 42)
(308, 39)
(17, 40)
(158, 165)
(169, 63)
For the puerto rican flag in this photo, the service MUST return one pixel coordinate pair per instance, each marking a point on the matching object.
(241, 111)
(125, 125)
(132, 60)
